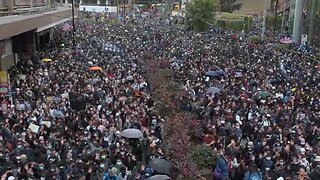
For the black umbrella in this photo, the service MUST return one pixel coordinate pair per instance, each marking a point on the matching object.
(162, 166)
(159, 177)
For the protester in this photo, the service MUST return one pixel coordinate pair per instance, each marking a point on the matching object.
(257, 106)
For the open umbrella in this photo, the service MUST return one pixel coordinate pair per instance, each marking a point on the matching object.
(46, 60)
(95, 68)
(221, 73)
(162, 166)
(213, 74)
(131, 133)
(262, 95)
(159, 177)
(286, 41)
(214, 90)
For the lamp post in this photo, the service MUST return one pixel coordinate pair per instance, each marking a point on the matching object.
(117, 9)
(264, 19)
(124, 11)
(304, 24)
(283, 14)
(73, 26)
(275, 18)
(318, 22)
(165, 15)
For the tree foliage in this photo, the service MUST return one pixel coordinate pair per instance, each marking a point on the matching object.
(201, 13)
(230, 5)
(204, 156)
(177, 141)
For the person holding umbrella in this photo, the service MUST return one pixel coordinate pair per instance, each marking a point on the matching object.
(221, 171)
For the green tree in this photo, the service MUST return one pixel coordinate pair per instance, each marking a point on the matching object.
(230, 5)
(201, 13)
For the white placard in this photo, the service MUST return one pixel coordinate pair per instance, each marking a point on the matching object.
(34, 128)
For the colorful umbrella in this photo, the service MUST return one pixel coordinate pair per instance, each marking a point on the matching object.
(95, 68)
(46, 60)
(286, 41)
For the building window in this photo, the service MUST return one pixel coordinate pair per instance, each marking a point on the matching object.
(103, 2)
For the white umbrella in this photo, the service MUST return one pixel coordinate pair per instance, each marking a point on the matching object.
(159, 177)
(214, 90)
(131, 133)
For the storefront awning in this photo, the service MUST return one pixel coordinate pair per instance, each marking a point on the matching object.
(52, 24)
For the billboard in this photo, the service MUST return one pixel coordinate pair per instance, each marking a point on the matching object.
(98, 9)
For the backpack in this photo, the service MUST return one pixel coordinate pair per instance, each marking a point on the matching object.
(105, 175)
(255, 176)
(148, 171)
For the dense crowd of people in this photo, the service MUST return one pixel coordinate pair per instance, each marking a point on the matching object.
(257, 106)
(67, 118)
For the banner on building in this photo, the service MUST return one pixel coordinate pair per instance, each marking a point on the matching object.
(67, 27)
(304, 39)
(4, 86)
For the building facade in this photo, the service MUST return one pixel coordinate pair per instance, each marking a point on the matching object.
(23, 26)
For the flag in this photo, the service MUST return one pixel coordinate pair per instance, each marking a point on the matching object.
(66, 27)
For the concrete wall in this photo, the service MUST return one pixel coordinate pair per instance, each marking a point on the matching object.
(7, 62)
(2, 4)
(252, 6)
(28, 2)
(7, 58)
(22, 2)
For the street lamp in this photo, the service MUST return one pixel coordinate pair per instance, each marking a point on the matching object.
(73, 26)
(304, 21)
(275, 18)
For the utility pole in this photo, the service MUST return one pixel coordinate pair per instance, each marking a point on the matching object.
(283, 14)
(73, 26)
(124, 11)
(117, 9)
(165, 21)
(264, 19)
